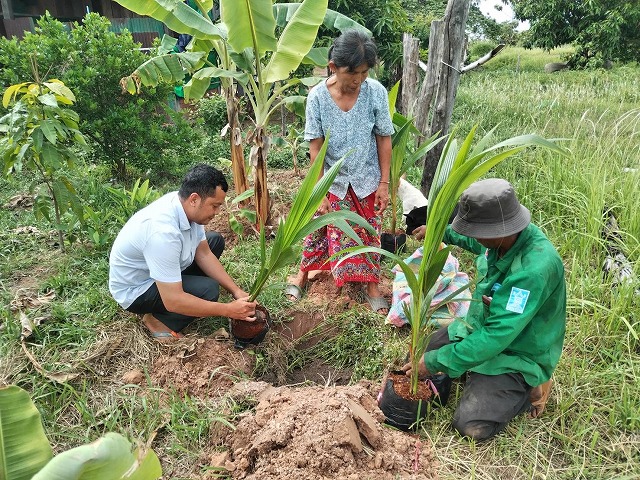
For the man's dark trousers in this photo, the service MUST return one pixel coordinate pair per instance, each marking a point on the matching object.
(194, 281)
(488, 402)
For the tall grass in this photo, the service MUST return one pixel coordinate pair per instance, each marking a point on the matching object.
(591, 427)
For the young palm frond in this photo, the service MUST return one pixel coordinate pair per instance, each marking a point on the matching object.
(300, 222)
(458, 168)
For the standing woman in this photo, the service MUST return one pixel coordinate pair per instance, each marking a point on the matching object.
(353, 110)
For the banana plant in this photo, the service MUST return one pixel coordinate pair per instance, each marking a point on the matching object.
(249, 54)
(25, 453)
(301, 222)
(459, 166)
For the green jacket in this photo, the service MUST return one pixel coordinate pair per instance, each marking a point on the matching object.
(523, 328)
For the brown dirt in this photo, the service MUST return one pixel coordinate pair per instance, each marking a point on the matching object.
(329, 430)
(320, 433)
(402, 386)
(203, 367)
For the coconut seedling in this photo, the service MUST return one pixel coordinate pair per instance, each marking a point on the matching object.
(298, 224)
(402, 158)
(459, 166)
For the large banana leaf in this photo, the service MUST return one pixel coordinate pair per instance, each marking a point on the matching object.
(24, 448)
(108, 458)
(199, 83)
(250, 24)
(332, 19)
(296, 40)
(175, 14)
(169, 68)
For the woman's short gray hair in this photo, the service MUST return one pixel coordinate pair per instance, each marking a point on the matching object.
(352, 49)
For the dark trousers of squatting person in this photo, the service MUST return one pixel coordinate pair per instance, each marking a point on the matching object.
(489, 402)
(194, 281)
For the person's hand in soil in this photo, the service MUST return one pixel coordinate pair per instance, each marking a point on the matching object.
(242, 309)
(419, 232)
(422, 369)
(382, 198)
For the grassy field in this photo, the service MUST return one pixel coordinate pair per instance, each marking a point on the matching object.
(591, 427)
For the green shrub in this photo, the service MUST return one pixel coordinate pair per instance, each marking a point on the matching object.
(213, 111)
(124, 131)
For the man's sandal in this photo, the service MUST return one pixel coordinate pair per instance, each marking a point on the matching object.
(294, 291)
(168, 334)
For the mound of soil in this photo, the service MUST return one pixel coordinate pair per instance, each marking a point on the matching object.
(320, 433)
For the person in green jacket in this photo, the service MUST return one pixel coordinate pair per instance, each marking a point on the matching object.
(512, 337)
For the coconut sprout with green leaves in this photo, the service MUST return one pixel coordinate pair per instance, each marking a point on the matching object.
(459, 166)
(301, 222)
(402, 159)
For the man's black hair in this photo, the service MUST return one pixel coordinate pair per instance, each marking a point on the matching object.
(352, 49)
(203, 180)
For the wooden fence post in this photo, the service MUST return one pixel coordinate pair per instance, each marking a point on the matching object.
(410, 74)
(452, 39)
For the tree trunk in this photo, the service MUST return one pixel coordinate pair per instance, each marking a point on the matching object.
(450, 36)
(258, 157)
(409, 86)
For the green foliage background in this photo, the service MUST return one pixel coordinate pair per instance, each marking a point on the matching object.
(125, 132)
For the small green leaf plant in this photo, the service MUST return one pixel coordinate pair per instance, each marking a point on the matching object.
(301, 222)
(129, 202)
(402, 156)
(40, 134)
(25, 452)
(459, 166)
(236, 210)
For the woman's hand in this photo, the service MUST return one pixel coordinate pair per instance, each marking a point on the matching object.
(325, 206)
(382, 198)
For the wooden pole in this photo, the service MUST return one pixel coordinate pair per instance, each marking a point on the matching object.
(453, 45)
(409, 85)
(7, 9)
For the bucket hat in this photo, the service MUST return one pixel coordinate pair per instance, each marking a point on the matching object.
(490, 209)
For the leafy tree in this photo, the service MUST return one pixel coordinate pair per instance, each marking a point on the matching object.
(122, 131)
(600, 30)
(39, 135)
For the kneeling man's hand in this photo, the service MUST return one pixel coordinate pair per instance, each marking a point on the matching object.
(422, 369)
(419, 232)
(242, 309)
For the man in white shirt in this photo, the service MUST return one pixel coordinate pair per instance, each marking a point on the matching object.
(163, 265)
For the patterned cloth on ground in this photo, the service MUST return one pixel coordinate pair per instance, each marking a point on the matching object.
(450, 280)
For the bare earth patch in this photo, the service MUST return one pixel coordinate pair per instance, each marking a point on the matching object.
(321, 433)
(202, 368)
